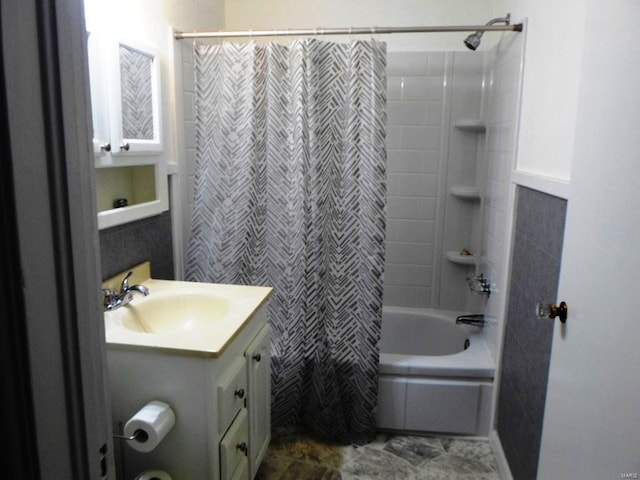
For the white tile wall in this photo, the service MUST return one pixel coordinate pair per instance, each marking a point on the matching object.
(415, 96)
(188, 82)
(502, 122)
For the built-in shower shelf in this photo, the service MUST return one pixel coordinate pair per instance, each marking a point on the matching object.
(459, 259)
(471, 125)
(465, 192)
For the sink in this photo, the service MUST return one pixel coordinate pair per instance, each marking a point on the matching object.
(182, 316)
(173, 312)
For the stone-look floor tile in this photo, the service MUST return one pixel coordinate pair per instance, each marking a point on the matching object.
(488, 476)
(380, 441)
(457, 465)
(412, 449)
(474, 449)
(300, 470)
(435, 442)
(297, 455)
(305, 448)
(435, 474)
(273, 466)
(378, 464)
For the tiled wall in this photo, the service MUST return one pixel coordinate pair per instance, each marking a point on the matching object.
(504, 63)
(189, 93)
(127, 245)
(416, 113)
(535, 272)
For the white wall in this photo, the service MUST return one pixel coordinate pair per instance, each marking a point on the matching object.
(260, 15)
(553, 55)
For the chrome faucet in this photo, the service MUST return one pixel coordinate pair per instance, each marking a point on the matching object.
(475, 320)
(112, 300)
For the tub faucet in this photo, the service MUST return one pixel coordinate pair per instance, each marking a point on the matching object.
(475, 320)
(112, 300)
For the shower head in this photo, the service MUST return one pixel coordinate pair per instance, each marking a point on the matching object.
(473, 41)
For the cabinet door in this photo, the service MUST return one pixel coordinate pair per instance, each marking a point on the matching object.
(135, 100)
(231, 394)
(99, 87)
(233, 446)
(259, 400)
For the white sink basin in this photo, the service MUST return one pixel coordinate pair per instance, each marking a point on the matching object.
(186, 316)
(168, 312)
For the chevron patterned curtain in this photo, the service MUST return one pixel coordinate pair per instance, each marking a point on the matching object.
(291, 193)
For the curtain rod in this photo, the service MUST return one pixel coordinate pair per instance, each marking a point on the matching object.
(349, 31)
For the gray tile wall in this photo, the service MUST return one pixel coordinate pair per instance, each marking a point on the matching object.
(124, 246)
(527, 347)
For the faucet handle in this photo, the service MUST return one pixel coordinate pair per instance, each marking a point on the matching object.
(124, 287)
(109, 298)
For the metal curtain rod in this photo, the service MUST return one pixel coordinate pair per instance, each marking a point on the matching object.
(300, 32)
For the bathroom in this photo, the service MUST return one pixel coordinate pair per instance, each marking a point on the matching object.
(552, 139)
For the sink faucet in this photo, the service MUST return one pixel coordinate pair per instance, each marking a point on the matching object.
(475, 320)
(112, 300)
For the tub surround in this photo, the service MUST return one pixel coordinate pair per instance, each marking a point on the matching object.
(434, 393)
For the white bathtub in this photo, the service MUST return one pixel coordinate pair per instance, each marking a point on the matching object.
(428, 381)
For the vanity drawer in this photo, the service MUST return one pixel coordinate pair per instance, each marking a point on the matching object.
(242, 470)
(232, 391)
(234, 446)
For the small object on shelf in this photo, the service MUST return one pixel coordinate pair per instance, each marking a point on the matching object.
(120, 202)
(471, 125)
(461, 258)
(465, 192)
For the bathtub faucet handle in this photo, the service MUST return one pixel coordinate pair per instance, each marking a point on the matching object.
(475, 320)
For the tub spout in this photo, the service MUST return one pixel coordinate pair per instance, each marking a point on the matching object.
(475, 320)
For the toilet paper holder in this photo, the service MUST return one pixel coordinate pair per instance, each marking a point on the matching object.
(137, 435)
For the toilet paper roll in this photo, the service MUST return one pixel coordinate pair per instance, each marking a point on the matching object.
(153, 475)
(152, 423)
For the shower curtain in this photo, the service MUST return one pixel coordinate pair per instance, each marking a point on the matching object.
(290, 193)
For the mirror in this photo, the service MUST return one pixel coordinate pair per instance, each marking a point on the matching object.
(136, 94)
(136, 105)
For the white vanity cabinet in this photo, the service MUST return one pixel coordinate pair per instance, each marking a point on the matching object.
(259, 402)
(221, 404)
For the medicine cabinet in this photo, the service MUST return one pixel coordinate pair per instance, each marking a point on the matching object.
(131, 179)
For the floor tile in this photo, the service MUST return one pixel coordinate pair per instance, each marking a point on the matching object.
(412, 450)
(298, 455)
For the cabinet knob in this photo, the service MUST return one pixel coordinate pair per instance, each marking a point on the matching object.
(239, 393)
(125, 147)
(106, 147)
(257, 357)
(242, 447)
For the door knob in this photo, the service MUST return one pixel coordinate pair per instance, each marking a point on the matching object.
(546, 311)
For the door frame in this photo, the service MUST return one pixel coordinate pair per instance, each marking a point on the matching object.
(53, 307)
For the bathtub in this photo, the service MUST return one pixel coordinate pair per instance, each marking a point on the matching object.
(434, 376)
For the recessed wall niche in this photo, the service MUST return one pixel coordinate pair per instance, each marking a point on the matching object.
(136, 184)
